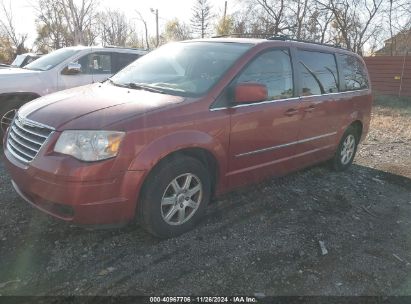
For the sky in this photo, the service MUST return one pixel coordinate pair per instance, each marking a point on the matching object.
(24, 13)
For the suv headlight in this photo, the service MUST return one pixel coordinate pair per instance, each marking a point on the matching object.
(89, 145)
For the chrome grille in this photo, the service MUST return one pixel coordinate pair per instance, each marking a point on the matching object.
(26, 138)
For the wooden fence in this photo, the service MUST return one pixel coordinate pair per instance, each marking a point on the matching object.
(390, 75)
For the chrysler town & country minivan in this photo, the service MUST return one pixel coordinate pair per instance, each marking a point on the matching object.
(184, 123)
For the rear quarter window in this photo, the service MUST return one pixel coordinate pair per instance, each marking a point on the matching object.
(353, 72)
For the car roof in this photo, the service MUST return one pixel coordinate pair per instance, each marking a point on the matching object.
(273, 42)
(108, 48)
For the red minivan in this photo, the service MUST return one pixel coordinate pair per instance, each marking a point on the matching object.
(186, 122)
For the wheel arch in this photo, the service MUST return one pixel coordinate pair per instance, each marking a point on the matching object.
(358, 125)
(7, 99)
(202, 147)
(203, 155)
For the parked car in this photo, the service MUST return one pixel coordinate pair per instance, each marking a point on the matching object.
(21, 60)
(186, 122)
(24, 59)
(62, 69)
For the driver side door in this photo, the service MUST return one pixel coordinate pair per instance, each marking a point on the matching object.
(264, 135)
(69, 80)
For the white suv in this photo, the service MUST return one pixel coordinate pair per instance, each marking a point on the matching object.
(62, 69)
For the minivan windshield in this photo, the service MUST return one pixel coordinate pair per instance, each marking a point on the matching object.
(185, 68)
(49, 61)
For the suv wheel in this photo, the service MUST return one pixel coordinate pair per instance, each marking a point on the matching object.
(175, 197)
(347, 148)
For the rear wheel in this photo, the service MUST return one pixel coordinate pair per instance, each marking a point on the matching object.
(175, 197)
(347, 148)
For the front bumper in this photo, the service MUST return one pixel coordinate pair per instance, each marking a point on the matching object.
(105, 199)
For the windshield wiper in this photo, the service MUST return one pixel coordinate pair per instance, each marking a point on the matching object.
(140, 86)
(117, 84)
(137, 86)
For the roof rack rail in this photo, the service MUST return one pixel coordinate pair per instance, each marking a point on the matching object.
(123, 47)
(275, 37)
(288, 38)
(244, 35)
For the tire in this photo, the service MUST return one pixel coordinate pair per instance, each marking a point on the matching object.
(174, 197)
(346, 150)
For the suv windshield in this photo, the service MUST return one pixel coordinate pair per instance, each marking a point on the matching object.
(186, 69)
(49, 61)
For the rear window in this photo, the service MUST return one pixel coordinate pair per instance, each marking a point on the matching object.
(318, 73)
(354, 73)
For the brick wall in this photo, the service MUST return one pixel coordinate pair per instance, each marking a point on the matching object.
(385, 73)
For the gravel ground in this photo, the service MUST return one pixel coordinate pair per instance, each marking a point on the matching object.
(264, 239)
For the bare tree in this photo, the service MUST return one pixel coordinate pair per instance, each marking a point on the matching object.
(114, 28)
(140, 17)
(80, 19)
(63, 23)
(265, 17)
(300, 9)
(353, 21)
(201, 18)
(274, 15)
(51, 29)
(8, 30)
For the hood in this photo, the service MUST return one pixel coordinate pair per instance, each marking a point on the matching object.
(94, 106)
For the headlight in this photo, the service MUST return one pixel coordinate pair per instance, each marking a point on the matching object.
(89, 145)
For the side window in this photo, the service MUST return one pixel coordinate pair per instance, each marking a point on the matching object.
(318, 73)
(96, 63)
(273, 69)
(84, 61)
(353, 71)
(122, 60)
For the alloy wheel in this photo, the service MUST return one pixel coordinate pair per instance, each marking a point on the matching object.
(181, 199)
(347, 152)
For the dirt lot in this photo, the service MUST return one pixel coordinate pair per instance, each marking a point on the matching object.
(263, 239)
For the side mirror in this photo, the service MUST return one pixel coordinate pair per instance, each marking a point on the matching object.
(250, 92)
(72, 69)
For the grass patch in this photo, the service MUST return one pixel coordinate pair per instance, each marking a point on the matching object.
(391, 116)
(400, 104)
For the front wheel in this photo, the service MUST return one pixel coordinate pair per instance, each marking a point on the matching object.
(175, 197)
(6, 117)
(347, 148)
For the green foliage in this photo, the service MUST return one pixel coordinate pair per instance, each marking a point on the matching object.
(176, 31)
(225, 26)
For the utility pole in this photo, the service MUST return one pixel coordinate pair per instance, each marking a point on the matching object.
(225, 10)
(155, 12)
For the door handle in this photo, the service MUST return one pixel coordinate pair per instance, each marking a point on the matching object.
(291, 112)
(309, 109)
